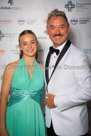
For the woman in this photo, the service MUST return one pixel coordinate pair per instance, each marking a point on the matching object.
(22, 115)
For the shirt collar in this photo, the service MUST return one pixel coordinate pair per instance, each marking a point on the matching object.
(61, 46)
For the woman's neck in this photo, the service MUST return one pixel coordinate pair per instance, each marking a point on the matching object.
(29, 61)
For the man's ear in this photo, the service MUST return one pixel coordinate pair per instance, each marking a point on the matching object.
(68, 28)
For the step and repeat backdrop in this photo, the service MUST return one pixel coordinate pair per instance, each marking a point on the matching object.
(18, 15)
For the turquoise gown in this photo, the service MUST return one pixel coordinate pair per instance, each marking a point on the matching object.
(24, 115)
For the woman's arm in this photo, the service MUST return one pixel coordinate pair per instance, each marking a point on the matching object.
(7, 78)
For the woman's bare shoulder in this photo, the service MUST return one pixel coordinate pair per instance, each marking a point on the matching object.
(15, 63)
(11, 66)
(8, 72)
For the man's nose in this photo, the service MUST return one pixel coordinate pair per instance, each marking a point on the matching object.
(57, 31)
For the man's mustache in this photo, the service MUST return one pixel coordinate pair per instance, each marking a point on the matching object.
(57, 35)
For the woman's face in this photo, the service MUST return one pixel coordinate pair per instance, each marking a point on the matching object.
(28, 44)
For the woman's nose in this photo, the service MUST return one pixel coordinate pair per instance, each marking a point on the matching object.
(29, 45)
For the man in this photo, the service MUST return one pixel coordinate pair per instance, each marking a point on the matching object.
(68, 81)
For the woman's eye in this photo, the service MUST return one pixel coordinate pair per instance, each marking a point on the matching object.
(33, 42)
(24, 43)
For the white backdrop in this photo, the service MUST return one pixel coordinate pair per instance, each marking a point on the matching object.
(17, 15)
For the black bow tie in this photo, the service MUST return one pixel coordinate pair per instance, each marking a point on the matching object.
(52, 50)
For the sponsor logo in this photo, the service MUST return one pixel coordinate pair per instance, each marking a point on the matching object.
(84, 20)
(2, 51)
(10, 8)
(29, 21)
(83, 5)
(41, 37)
(15, 51)
(21, 21)
(87, 51)
(74, 21)
(70, 6)
(78, 6)
(8, 36)
(5, 21)
(11, 2)
(40, 50)
(1, 35)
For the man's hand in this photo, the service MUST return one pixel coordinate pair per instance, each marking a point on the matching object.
(50, 101)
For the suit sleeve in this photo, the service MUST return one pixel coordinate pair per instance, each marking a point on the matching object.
(83, 80)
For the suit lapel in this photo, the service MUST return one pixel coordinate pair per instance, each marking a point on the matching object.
(46, 67)
(67, 45)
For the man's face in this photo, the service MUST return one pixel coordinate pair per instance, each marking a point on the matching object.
(58, 30)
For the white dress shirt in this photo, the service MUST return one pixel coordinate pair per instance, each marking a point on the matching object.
(54, 57)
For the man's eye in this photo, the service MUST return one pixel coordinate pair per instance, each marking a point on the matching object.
(61, 26)
(52, 27)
